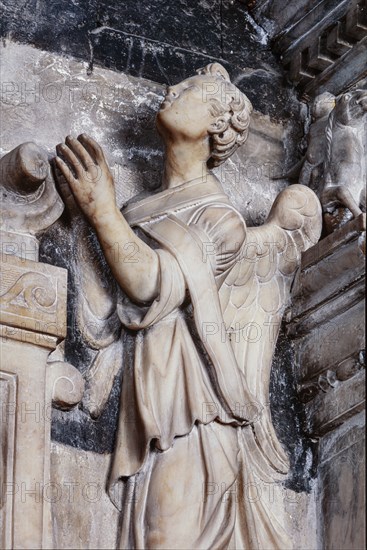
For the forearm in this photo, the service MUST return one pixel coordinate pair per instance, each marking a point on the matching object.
(133, 263)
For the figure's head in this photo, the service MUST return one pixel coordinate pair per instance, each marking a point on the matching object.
(209, 107)
(351, 107)
(322, 105)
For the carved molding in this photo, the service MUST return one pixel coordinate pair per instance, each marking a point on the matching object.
(326, 324)
(328, 278)
(329, 379)
(324, 48)
(21, 335)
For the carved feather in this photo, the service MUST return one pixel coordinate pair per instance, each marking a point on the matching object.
(256, 291)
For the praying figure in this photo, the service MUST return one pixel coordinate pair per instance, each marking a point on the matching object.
(203, 298)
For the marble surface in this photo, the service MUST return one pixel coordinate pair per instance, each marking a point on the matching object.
(46, 90)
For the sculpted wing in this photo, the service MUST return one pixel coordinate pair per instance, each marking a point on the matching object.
(256, 291)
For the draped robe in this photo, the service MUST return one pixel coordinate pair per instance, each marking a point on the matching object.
(186, 447)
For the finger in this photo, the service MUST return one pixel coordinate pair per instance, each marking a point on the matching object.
(68, 155)
(94, 149)
(65, 171)
(79, 151)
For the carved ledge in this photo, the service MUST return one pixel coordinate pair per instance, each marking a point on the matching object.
(329, 410)
(326, 323)
(330, 279)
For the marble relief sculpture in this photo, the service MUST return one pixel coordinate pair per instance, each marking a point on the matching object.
(203, 298)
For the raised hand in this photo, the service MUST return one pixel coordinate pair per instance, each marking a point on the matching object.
(82, 163)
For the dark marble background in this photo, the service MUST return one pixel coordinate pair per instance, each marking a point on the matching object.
(158, 40)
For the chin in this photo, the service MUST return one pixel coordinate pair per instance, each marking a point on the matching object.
(166, 125)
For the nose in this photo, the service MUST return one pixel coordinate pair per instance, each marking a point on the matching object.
(172, 92)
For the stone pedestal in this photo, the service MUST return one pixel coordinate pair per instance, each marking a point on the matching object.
(33, 323)
(326, 323)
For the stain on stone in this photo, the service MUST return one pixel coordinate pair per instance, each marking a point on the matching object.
(288, 418)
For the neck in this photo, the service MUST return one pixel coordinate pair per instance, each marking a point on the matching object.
(184, 162)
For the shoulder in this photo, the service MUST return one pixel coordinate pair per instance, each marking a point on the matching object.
(222, 224)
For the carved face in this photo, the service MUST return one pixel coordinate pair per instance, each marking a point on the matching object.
(186, 110)
(351, 107)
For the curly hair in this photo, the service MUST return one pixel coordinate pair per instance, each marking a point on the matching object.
(232, 110)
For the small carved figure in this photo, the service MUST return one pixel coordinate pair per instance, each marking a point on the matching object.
(203, 300)
(309, 170)
(345, 162)
(334, 165)
(312, 168)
